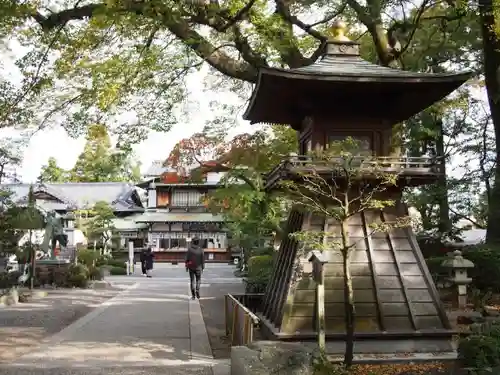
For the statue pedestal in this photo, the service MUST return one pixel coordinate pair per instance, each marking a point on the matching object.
(51, 271)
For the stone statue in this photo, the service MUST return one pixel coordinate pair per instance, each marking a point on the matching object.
(54, 233)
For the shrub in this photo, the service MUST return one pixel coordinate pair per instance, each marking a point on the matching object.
(88, 257)
(259, 272)
(434, 265)
(78, 276)
(102, 260)
(486, 269)
(479, 352)
(9, 279)
(118, 271)
(119, 263)
(95, 273)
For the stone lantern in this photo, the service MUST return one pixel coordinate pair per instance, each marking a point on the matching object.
(457, 267)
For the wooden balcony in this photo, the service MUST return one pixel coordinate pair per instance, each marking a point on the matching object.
(411, 171)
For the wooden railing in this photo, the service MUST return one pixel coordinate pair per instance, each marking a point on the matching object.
(240, 321)
(403, 165)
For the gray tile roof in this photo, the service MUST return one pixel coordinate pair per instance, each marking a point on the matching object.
(81, 195)
(172, 217)
(157, 169)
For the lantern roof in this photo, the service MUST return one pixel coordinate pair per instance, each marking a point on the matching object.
(342, 75)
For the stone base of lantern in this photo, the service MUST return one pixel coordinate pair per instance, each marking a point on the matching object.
(398, 308)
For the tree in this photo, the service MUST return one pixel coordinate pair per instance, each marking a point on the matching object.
(29, 219)
(249, 211)
(97, 223)
(10, 159)
(99, 162)
(100, 70)
(52, 172)
(338, 184)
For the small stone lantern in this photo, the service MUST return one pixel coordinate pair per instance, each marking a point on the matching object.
(457, 266)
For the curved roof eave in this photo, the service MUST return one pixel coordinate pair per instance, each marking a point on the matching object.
(398, 76)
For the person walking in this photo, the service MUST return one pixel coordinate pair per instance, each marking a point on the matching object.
(142, 258)
(195, 264)
(149, 260)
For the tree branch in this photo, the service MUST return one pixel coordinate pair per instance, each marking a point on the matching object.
(171, 19)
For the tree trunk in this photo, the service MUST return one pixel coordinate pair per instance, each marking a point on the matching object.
(350, 312)
(491, 56)
(445, 225)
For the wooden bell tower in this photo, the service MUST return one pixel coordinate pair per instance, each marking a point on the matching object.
(342, 96)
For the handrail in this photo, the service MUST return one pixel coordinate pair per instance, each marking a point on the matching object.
(397, 162)
(240, 321)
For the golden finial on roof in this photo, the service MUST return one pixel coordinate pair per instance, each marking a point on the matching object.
(338, 30)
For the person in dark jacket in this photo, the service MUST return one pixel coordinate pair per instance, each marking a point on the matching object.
(149, 260)
(142, 258)
(195, 264)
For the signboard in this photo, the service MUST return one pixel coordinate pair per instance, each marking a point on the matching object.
(210, 256)
(202, 235)
(131, 234)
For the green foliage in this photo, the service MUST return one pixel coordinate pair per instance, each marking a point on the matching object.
(97, 223)
(486, 259)
(102, 260)
(322, 366)
(118, 271)
(117, 263)
(88, 257)
(95, 273)
(78, 276)
(52, 172)
(259, 273)
(480, 353)
(251, 214)
(8, 280)
(435, 268)
(99, 162)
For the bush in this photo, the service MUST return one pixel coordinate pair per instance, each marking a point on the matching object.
(78, 276)
(434, 265)
(95, 273)
(479, 352)
(88, 257)
(102, 260)
(118, 271)
(9, 279)
(486, 269)
(259, 273)
(119, 263)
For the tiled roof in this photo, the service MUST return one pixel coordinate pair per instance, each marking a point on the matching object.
(157, 169)
(171, 217)
(80, 195)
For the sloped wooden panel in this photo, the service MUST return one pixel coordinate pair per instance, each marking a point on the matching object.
(393, 289)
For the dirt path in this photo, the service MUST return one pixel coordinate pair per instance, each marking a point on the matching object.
(24, 326)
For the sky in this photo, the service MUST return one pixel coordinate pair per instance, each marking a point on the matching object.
(42, 146)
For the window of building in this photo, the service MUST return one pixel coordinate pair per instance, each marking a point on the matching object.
(178, 243)
(164, 243)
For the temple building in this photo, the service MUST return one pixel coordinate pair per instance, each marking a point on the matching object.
(176, 213)
(66, 199)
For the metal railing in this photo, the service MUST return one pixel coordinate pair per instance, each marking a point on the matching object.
(240, 321)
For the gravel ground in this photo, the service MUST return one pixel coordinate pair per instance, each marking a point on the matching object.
(212, 307)
(24, 326)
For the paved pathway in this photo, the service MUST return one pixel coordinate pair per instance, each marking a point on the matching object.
(150, 327)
